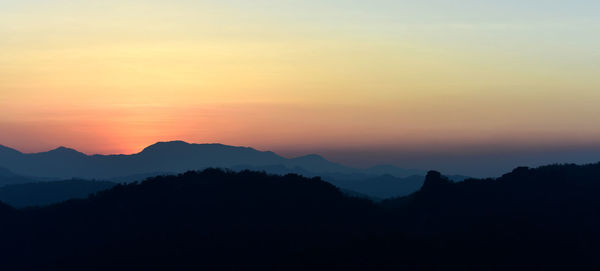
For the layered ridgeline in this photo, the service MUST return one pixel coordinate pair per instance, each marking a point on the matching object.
(20, 191)
(45, 193)
(178, 156)
(163, 157)
(530, 219)
(8, 177)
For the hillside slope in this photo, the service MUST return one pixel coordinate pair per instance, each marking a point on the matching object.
(530, 219)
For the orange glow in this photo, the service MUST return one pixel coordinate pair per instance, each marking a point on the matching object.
(115, 76)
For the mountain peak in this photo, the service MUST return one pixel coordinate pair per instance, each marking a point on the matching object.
(435, 181)
(162, 144)
(4, 149)
(175, 145)
(65, 151)
(172, 142)
(181, 147)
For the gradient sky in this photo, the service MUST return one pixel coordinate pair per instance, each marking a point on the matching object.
(362, 81)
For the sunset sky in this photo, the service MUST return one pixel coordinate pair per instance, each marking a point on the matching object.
(299, 77)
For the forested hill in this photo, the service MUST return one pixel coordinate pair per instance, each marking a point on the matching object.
(529, 219)
(196, 219)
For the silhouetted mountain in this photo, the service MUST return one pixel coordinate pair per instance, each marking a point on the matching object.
(8, 177)
(43, 193)
(530, 219)
(175, 156)
(317, 163)
(62, 152)
(178, 156)
(436, 183)
(394, 171)
(6, 173)
(8, 153)
(544, 218)
(139, 177)
(375, 187)
(211, 219)
(382, 187)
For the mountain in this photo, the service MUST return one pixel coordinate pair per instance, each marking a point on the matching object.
(6, 173)
(543, 218)
(546, 218)
(316, 163)
(394, 171)
(8, 177)
(373, 186)
(8, 153)
(21, 191)
(175, 156)
(381, 187)
(213, 220)
(178, 156)
(44, 193)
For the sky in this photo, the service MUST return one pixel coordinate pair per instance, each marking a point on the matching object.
(412, 83)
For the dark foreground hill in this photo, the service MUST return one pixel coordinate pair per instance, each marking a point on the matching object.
(530, 219)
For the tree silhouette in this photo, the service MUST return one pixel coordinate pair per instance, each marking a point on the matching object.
(544, 218)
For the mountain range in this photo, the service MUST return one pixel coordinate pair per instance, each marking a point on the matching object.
(161, 158)
(45, 193)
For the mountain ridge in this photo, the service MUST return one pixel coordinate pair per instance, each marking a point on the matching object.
(178, 156)
(189, 155)
(542, 218)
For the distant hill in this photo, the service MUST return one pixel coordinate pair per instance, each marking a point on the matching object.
(374, 186)
(178, 156)
(382, 187)
(530, 219)
(175, 156)
(21, 191)
(44, 193)
(394, 171)
(8, 177)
